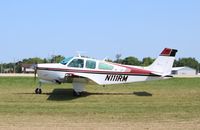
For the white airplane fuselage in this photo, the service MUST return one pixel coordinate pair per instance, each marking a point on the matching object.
(81, 70)
(62, 72)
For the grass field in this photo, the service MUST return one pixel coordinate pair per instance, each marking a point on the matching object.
(166, 104)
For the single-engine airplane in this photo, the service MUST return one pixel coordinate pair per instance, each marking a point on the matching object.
(80, 71)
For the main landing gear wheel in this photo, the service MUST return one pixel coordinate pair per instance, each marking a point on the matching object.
(76, 94)
(38, 91)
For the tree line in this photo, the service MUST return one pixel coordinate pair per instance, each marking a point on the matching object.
(17, 67)
(130, 60)
(188, 61)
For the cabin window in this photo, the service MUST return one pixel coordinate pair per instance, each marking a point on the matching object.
(105, 66)
(66, 60)
(78, 63)
(90, 64)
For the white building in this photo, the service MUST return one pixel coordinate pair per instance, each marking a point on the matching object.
(26, 68)
(183, 71)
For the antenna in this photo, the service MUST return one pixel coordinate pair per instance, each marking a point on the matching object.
(79, 53)
(105, 58)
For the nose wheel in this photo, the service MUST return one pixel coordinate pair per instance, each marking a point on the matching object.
(38, 90)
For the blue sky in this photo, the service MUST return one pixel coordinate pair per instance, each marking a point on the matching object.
(30, 28)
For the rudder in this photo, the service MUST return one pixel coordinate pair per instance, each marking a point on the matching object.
(164, 63)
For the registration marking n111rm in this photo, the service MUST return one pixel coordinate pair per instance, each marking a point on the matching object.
(118, 78)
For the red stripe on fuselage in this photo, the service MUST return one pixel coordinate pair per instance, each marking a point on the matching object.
(132, 71)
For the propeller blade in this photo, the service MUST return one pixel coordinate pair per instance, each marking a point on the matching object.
(35, 73)
(34, 66)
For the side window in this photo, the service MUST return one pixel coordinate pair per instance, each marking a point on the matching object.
(105, 66)
(90, 64)
(78, 63)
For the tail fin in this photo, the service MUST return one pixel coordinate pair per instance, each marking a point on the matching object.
(163, 64)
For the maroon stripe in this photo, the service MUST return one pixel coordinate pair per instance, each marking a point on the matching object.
(134, 70)
(166, 52)
(93, 71)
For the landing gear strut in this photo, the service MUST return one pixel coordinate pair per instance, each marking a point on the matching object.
(78, 86)
(38, 90)
(76, 94)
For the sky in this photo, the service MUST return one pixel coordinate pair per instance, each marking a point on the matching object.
(98, 28)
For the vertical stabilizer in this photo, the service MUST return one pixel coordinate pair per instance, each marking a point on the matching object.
(164, 63)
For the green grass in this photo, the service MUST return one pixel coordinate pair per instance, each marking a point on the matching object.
(176, 99)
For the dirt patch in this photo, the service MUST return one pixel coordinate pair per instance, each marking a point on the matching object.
(62, 124)
(100, 126)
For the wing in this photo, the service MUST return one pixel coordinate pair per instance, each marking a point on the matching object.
(98, 78)
(89, 78)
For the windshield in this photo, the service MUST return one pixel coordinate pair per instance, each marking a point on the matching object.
(66, 60)
(78, 63)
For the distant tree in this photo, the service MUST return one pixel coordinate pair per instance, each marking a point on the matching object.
(56, 58)
(198, 70)
(34, 60)
(18, 68)
(175, 63)
(45, 60)
(190, 62)
(8, 68)
(108, 60)
(2, 67)
(147, 61)
(131, 61)
(118, 58)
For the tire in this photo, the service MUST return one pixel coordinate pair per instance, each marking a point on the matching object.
(38, 91)
(76, 94)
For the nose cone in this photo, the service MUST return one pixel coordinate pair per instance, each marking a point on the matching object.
(49, 72)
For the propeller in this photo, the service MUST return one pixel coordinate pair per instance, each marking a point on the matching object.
(34, 67)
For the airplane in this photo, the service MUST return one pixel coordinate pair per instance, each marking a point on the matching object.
(81, 71)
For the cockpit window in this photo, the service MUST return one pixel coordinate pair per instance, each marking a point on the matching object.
(78, 63)
(66, 60)
(105, 66)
